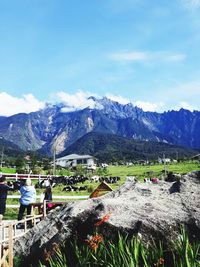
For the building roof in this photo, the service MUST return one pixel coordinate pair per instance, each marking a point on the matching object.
(102, 189)
(75, 156)
(196, 156)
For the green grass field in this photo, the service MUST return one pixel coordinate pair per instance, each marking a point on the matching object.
(152, 170)
(8, 170)
(139, 171)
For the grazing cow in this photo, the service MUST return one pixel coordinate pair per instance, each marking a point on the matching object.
(71, 188)
(83, 188)
(110, 180)
(64, 180)
(104, 165)
(45, 183)
(131, 179)
(94, 178)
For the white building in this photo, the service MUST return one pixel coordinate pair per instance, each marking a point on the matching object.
(164, 160)
(73, 160)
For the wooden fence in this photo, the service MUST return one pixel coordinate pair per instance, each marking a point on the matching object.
(9, 232)
(17, 176)
(6, 249)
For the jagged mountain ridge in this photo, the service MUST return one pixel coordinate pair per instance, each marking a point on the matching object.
(52, 126)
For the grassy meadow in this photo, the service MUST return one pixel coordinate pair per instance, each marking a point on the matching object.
(142, 171)
(139, 171)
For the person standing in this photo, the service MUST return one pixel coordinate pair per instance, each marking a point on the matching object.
(28, 195)
(4, 188)
(48, 194)
(48, 198)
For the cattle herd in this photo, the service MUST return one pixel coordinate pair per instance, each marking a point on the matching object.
(68, 181)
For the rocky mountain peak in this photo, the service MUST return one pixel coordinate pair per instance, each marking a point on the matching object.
(41, 129)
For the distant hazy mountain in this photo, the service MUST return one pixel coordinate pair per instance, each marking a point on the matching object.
(52, 126)
(109, 147)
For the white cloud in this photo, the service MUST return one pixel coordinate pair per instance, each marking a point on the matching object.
(185, 105)
(10, 105)
(187, 90)
(138, 56)
(179, 95)
(191, 4)
(130, 56)
(77, 101)
(81, 100)
(174, 98)
(148, 106)
(175, 57)
(118, 98)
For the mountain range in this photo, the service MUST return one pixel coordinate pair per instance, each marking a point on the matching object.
(56, 127)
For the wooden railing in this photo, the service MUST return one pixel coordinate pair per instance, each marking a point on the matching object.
(9, 232)
(6, 249)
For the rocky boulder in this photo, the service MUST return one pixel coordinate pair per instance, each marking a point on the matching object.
(153, 210)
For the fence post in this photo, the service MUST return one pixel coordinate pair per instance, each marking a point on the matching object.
(2, 231)
(1, 248)
(10, 246)
(44, 208)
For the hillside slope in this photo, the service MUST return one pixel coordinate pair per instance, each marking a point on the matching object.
(9, 149)
(109, 147)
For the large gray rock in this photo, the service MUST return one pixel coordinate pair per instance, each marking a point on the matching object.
(153, 210)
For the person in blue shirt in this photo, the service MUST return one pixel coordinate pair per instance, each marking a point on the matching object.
(28, 195)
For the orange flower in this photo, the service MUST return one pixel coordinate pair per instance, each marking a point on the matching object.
(93, 241)
(93, 246)
(159, 262)
(103, 220)
(55, 247)
(97, 238)
(47, 254)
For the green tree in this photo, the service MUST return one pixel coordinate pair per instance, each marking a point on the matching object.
(102, 171)
(33, 163)
(46, 164)
(20, 164)
(80, 170)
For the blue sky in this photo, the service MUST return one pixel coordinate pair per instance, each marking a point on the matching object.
(139, 51)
